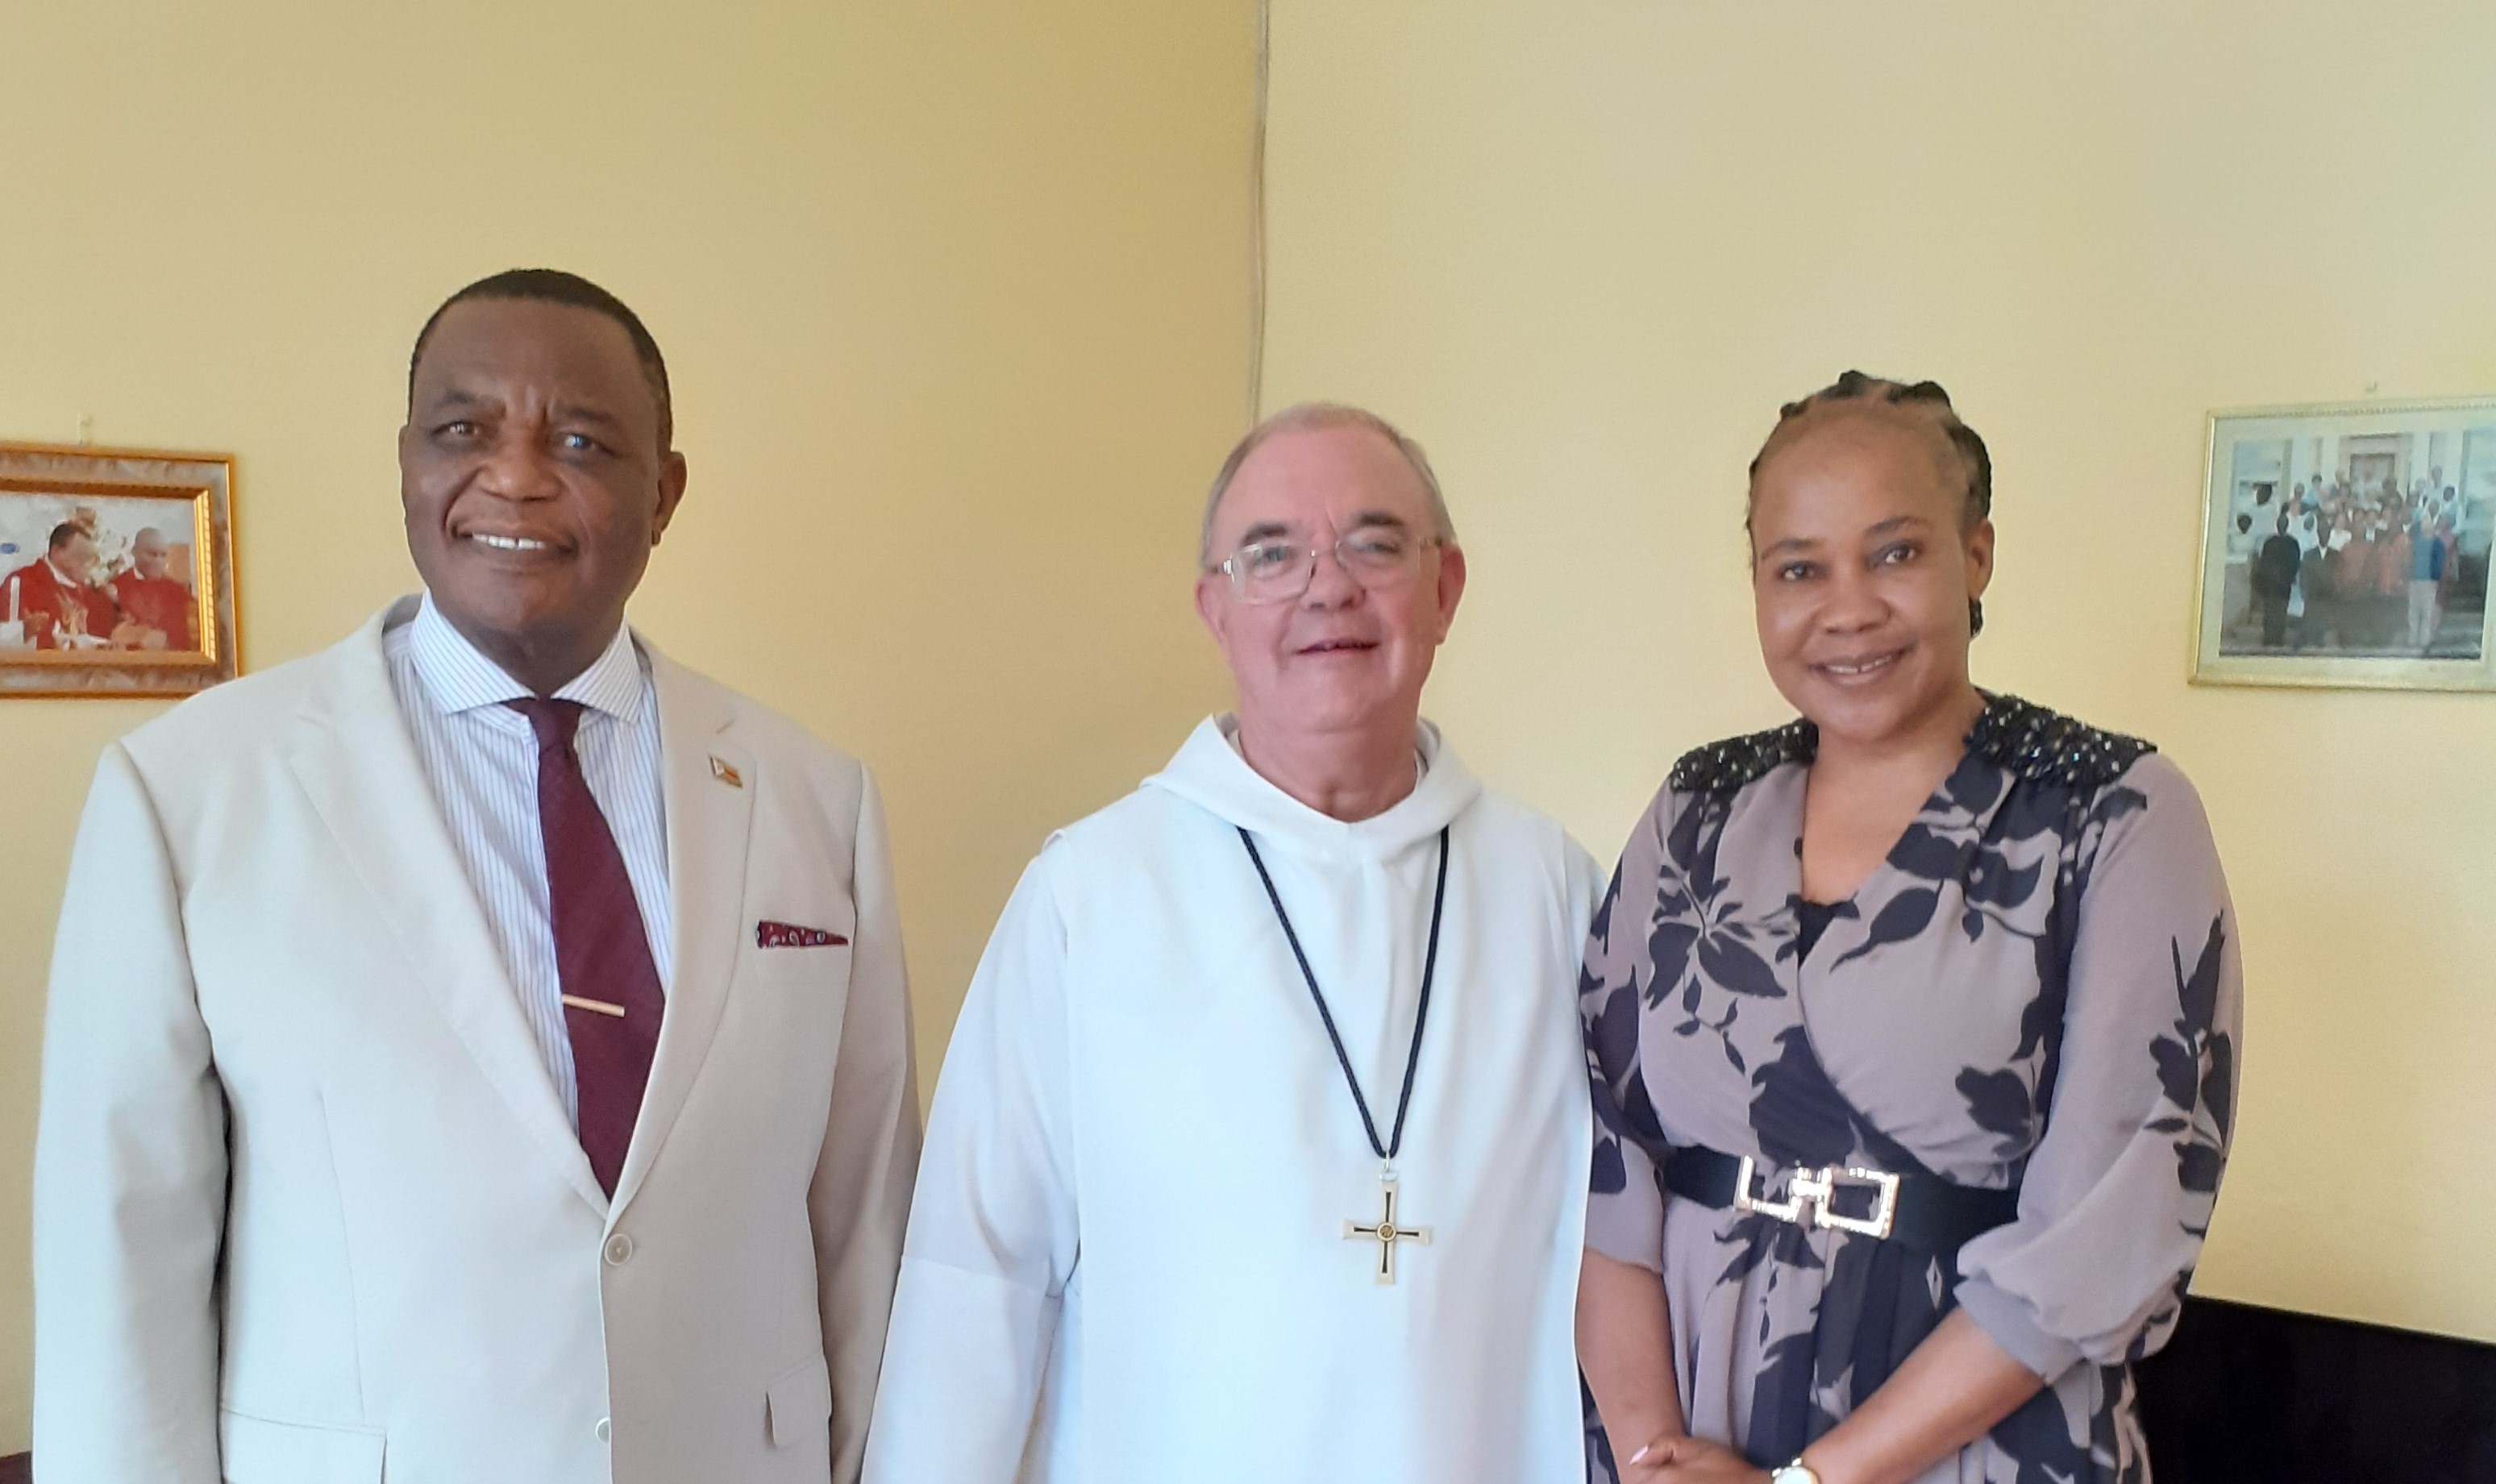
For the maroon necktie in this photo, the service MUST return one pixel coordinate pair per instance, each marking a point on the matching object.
(612, 1001)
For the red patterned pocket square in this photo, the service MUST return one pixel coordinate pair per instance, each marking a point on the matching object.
(788, 935)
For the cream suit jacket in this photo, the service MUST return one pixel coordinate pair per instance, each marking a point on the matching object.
(308, 1208)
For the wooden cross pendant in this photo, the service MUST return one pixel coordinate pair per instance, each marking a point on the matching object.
(1386, 1233)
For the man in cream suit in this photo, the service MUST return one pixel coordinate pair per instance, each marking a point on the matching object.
(477, 1052)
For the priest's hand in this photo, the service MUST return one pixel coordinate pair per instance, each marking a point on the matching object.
(1679, 1460)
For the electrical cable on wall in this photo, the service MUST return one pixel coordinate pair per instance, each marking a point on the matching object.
(1257, 223)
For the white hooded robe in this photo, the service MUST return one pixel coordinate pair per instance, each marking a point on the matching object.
(1127, 1260)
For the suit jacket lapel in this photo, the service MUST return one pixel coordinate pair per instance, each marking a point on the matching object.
(357, 760)
(709, 816)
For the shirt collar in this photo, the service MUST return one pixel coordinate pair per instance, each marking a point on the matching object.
(458, 678)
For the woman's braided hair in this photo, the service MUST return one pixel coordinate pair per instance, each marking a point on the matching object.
(1924, 397)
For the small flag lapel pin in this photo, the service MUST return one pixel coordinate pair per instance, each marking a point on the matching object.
(726, 774)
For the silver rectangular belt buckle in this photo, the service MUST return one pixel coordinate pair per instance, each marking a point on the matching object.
(1810, 1192)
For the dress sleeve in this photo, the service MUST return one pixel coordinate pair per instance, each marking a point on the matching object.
(2118, 1193)
(992, 1238)
(1624, 1207)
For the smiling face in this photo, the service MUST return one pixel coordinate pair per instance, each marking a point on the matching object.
(1862, 569)
(534, 481)
(1344, 658)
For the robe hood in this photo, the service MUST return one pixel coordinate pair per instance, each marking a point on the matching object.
(1210, 773)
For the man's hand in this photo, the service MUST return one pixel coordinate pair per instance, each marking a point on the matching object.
(127, 634)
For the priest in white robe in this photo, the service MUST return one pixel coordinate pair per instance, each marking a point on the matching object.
(1260, 1147)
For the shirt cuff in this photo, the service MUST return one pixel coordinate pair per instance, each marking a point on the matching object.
(1627, 1224)
(2011, 1324)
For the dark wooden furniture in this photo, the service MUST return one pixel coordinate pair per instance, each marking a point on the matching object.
(2245, 1394)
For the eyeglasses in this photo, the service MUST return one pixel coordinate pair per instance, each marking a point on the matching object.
(1280, 570)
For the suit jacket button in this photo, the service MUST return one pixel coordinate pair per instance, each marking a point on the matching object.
(620, 1249)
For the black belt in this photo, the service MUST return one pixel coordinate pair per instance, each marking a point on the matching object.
(1918, 1212)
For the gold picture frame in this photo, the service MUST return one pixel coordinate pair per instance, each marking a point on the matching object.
(2347, 545)
(117, 571)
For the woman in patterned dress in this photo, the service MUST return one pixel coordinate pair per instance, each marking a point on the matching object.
(1923, 938)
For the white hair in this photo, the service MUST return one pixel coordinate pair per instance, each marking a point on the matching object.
(1311, 417)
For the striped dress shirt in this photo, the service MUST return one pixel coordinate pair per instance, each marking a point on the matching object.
(480, 758)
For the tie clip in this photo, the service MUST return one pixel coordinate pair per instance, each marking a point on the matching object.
(726, 774)
(595, 1006)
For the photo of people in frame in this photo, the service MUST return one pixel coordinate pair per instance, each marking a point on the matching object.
(2349, 546)
(117, 571)
(111, 573)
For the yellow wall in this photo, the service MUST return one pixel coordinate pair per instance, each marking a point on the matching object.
(1584, 251)
(954, 295)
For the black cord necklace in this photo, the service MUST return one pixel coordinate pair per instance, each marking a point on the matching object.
(1385, 1232)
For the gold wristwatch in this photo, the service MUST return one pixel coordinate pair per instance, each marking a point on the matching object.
(1796, 1473)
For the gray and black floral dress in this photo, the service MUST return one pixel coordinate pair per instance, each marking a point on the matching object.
(2038, 987)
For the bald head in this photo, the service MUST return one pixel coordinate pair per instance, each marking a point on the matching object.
(149, 553)
(1318, 417)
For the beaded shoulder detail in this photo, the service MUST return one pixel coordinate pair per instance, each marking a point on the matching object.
(2039, 745)
(1735, 763)
(2047, 747)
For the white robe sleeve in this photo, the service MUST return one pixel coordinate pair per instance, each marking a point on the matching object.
(1585, 892)
(993, 1227)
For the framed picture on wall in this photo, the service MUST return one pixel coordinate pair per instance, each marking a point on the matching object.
(2348, 545)
(117, 571)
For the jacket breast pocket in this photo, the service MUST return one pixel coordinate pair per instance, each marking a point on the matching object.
(815, 974)
(257, 1450)
(790, 1012)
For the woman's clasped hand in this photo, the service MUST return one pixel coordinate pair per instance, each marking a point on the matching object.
(1685, 1460)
